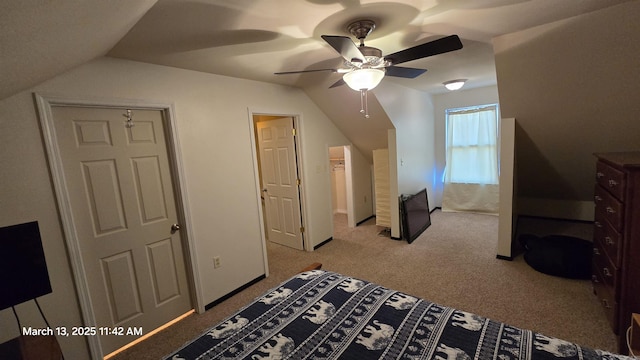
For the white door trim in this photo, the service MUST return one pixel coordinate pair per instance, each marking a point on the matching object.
(44, 104)
(297, 121)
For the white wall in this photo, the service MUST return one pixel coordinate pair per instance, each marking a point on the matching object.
(339, 188)
(26, 194)
(442, 102)
(412, 114)
(362, 188)
(215, 135)
(507, 216)
(410, 144)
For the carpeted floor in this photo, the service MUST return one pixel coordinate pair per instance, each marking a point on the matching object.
(452, 263)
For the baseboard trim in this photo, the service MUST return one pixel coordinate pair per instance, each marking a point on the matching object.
(555, 219)
(234, 292)
(323, 243)
(365, 220)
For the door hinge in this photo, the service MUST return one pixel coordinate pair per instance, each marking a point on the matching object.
(298, 182)
(301, 229)
(293, 131)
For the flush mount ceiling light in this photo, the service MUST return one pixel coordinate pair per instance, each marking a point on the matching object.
(454, 84)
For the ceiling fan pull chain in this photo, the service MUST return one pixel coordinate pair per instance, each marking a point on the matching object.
(364, 103)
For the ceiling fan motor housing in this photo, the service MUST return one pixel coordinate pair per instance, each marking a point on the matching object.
(373, 56)
(361, 28)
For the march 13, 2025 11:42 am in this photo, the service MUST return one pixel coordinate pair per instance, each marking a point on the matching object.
(83, 331)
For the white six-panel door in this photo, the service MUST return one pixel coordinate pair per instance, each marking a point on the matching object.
(278, 166)
(123, 205)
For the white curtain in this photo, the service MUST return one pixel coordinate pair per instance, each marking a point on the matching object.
(471, 173)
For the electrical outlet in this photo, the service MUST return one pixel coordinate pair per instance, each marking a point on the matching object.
(216, 262)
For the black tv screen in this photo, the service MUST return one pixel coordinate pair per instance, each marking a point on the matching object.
(23, 269)
(415, 215)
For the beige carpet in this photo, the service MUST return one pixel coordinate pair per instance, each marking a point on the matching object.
(452, 263)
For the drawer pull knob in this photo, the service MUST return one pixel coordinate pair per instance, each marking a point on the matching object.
(612, 183)
(599, 174)
(598, 198)
(594, 279)
(605, 303)
(596, 251)
(610, 210)
(607, 272)
(608, 240)
(597, 224)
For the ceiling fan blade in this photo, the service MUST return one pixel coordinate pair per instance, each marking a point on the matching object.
(337, 83)
(304, 71)
(345, 47)
(440, 46)
(404, 72)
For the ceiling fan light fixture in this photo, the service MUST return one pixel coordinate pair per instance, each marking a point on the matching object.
(453, 85)
(363, 79)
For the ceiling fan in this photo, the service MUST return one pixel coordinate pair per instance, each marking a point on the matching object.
(364, 66)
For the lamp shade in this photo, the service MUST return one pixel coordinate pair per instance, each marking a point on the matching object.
(454, 84)
(363, 79)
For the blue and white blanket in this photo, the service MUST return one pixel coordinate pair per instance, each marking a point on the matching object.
(324, 315)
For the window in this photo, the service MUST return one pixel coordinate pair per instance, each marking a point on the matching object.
(472, 150)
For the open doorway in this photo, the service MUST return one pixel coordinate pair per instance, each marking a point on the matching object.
(279, 179)
(341, 187)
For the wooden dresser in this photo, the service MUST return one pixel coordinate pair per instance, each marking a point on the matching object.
(616, 239)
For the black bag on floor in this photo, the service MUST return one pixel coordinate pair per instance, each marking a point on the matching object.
(558, 255)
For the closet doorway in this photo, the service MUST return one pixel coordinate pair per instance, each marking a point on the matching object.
(341, 187)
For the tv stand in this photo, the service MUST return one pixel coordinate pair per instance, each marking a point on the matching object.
(31, 348)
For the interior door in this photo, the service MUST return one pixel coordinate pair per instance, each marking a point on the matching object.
(123, 205)
(279, 174)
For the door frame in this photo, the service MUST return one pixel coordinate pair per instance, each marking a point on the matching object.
(297, 122)
(44, 104)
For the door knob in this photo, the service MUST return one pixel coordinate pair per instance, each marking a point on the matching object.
(174, 228)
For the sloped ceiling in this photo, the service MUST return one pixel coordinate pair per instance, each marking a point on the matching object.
(252, 39)
(42, 39)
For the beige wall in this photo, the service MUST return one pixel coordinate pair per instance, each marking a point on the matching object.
(573, 87)
(212, 115)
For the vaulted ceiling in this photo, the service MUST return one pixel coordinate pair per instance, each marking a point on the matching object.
(253, 39)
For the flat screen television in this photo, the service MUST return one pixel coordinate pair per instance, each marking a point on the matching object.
(415, 215)
(23, 269)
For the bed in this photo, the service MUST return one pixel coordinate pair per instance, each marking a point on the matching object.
(320, 314)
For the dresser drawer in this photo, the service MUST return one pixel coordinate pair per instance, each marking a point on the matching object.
(606, 299)
(608, 207)
(611, 179)
(609, 273)
(609, 239)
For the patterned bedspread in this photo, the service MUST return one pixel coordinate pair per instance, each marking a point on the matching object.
(324, 315)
